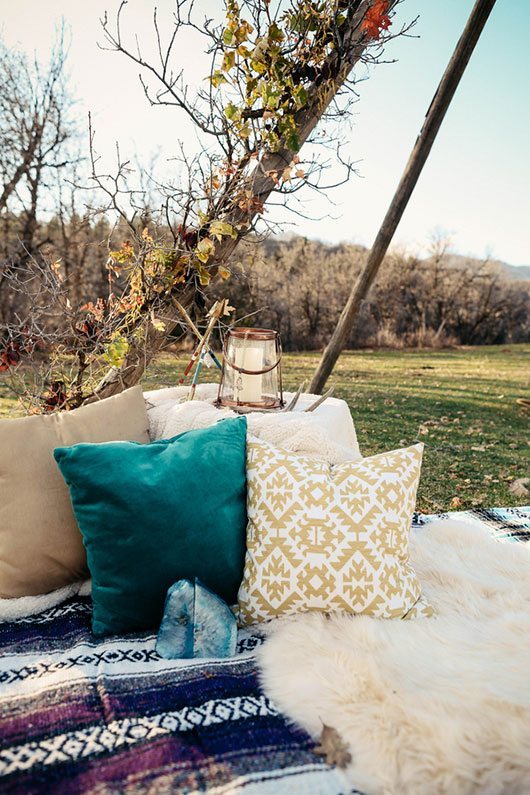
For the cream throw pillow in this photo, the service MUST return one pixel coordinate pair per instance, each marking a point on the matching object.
(323, 537)
(40, 544)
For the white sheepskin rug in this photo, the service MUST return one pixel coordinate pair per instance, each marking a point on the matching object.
(428, 706)
(323, 434)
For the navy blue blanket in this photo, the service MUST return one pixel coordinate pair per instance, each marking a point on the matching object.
(81, 715)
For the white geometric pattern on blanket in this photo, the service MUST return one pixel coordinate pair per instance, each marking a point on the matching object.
(83, 743)
(33, 673)
(14, 609)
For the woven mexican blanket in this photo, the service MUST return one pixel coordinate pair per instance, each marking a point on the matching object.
(80, 715)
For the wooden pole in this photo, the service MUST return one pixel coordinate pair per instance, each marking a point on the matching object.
(420, 152)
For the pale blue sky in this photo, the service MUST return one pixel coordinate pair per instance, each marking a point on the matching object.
(476, 184)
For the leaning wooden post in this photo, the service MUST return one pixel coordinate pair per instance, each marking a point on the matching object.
(433, 120)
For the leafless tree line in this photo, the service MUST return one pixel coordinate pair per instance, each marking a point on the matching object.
(40, 211)
(299, 286)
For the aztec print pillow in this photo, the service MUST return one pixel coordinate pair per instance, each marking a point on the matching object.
(324, 537)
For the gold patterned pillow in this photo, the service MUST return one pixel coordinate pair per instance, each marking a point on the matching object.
(323, 537)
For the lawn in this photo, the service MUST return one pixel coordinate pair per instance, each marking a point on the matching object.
(460, 403)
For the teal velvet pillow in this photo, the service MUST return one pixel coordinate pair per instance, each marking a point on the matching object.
(152, 514)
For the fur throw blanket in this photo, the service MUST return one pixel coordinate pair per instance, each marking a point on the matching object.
(438, 705)
(320, 434)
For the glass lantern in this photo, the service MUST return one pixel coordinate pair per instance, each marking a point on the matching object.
(252, 377)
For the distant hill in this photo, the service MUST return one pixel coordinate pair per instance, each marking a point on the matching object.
(512, 272)
(516, 271)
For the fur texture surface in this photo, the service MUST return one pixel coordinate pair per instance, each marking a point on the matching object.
(11, 609)
(328, 433)
(431, 706)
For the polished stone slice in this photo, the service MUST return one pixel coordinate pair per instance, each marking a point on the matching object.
(175, 636)
(196, 623)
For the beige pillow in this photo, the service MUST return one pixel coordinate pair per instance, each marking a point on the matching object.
(40, 544)
(324, 537)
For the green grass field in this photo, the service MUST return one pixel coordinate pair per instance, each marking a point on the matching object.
(460, 403)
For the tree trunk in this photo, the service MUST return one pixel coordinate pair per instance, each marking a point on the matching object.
(27, 160)
(417, 159)
(261, 185)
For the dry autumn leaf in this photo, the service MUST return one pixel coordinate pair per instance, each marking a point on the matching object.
(518, 487)
(456, 502)
(56, 268)
(332, 747)
(223, 272)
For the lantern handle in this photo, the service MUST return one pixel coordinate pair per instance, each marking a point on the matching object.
(234, 366)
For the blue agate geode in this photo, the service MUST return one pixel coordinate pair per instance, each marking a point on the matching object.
(196, 623)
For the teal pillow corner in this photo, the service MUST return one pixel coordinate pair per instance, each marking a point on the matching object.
(152, 514)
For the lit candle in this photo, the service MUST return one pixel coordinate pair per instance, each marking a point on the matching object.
(248, 387)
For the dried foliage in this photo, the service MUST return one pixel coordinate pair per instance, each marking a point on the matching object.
(277, 70)
(333, 748)
(519, 487)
